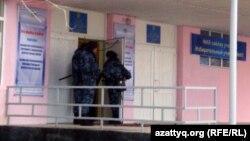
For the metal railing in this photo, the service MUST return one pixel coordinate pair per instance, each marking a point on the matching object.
(16, 93)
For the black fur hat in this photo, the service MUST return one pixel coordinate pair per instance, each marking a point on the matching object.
(89, 46)
(111, 54)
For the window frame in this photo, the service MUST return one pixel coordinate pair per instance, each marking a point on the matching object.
(3, 20)
(216, 34)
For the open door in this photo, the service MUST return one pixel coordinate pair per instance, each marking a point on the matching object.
(115, 45)
(94, 111)
(104, 46)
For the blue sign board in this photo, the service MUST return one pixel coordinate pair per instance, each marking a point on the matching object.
(78, 22)
(216, 47)
(153, 34)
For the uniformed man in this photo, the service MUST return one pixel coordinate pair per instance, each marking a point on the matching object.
(113, 72)
(85, 72)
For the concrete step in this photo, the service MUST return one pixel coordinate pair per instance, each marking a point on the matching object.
(22, 133)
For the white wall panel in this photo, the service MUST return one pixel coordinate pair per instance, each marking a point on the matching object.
(149, 59)
(140, 32)
(62, 47)
(165, 75)
(61, 52)
(168, 37)
(95, 26)
(144, 77)
(155, 66)
(168, 34)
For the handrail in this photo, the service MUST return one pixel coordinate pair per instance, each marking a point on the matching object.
(103, 105)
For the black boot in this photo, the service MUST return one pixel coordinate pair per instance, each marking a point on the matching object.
(77, 121)
(86, 122)
(115, 122)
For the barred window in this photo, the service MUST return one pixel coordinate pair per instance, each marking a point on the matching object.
(204, 60)
(212, 61)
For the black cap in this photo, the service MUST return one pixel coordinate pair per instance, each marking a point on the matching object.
(91, 45)
(111, 54)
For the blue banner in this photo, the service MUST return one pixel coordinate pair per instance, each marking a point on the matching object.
(216, 47)
(153, 34)
(78, 22)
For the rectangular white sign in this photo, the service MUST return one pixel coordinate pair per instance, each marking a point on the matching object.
(127, 32)
(30, 68)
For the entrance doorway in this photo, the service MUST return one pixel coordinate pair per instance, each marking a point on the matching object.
(61, 52)
(100, 60)
(104, 46)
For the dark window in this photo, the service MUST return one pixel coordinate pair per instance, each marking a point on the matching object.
(215, 61)
(212, 61)
(225, 63)
(204, 33)
(204, 60)
(226, 36)
(215, 34)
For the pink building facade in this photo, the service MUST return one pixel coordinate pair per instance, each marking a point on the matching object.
(9, 62)
(192, 73)
(189, 70)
